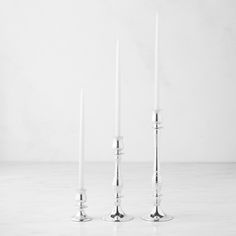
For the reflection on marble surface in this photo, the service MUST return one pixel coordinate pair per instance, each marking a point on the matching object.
(38, 199)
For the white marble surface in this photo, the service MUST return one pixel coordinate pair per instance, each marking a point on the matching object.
(38, 199)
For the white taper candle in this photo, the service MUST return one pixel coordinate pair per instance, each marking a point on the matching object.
(117, 105)
(81, 141)
(156, 65)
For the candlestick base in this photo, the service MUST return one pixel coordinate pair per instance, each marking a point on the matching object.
(157, 215)
(117, 215)
(81, 216)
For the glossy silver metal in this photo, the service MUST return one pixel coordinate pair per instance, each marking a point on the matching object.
(80, 199)
(117, 214)
(156, 215)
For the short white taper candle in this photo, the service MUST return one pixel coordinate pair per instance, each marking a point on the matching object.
(81, 141)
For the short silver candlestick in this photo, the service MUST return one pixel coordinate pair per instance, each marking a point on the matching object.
(80, 199)
(157, 215)
(117, 214)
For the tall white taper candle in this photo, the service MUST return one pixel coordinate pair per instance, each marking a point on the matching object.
(117, 106)
(81, 141)
(156, 75)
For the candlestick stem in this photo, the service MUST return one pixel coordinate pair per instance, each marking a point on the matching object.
(157, 215)
(117, 214)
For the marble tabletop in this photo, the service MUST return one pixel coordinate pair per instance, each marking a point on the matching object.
(38, 199)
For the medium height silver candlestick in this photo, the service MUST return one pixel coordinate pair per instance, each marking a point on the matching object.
(117, 214)
(157, 214)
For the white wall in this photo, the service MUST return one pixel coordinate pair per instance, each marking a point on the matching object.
(50, 49)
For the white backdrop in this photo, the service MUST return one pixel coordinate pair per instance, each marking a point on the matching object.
(50, 49)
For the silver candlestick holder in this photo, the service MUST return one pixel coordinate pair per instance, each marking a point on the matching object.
(157, 215)
(80, 199)
(117, 214)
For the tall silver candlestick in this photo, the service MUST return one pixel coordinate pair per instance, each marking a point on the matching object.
(117, 214)
(157, 215)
